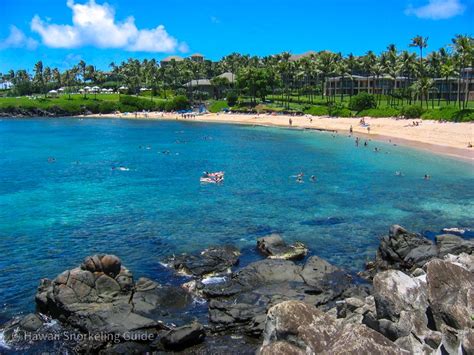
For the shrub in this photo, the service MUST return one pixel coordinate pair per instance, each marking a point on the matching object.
(362, 101)
(232, 98)
(137, 103)
(317, 111)
(412, 111)
(180, 102)
(449, 114)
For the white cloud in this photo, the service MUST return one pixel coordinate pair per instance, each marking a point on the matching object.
(17, 39)
(437, 9)
(95, 25)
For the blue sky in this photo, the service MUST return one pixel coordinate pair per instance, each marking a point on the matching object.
(61, 32)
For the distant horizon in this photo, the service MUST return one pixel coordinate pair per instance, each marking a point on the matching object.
(100, 32)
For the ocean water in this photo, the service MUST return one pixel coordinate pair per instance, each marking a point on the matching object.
(54, 213)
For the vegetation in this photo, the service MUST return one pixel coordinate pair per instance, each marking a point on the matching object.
(362, 101)
(277, 83)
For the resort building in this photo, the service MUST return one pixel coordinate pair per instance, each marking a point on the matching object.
(443, 88)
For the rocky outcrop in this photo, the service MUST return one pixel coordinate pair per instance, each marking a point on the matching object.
(101, 297)
(209, 262)
(301, 328)
(403, 250)
(428, 311)
(275, 247)
(242, 302)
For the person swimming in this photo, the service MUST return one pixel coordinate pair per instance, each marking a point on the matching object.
(365, 144)
(427, 177)
(313, 178)
(398, 173)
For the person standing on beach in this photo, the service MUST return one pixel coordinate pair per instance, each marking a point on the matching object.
(290, 121)
(368, 129)
(350, 130)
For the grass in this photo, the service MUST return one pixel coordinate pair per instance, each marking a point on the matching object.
(217, 106)
(78, 104)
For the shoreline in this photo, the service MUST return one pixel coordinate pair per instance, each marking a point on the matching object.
(443, 138)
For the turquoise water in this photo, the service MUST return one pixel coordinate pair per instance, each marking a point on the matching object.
(53, 214)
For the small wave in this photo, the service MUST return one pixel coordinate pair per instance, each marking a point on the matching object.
(199, 301)
(214, 280)
(3, 343)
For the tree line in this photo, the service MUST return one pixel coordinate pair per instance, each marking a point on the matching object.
(282, 76)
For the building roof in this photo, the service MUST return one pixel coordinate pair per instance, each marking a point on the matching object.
(172, 57)
(198, 82)
(228, 75)
(196, 55)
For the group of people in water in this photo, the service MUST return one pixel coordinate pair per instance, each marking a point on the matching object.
(212, 178)
(300, 176)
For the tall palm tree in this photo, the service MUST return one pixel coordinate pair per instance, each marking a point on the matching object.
(421, 43)
(464, 52)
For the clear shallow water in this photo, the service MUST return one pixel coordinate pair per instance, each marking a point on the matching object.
(52, 215)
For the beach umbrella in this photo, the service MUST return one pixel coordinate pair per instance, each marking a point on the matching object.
(144, 89)
(61, 89)
(95, 88)
(104, 90)
(123, 88)
(110, 90)
(87, 88)
(81, 90)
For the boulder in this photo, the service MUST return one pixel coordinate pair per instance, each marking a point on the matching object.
(402, 250)
(211, 261)
(463, 260)
(275, 247)
(453, 244)
(183, 337)
(302, 328)
(242, 301)
(101, 297)
(450, 294)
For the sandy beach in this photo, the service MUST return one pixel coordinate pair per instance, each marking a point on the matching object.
(447, 138)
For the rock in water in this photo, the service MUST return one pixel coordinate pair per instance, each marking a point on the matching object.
(210, 262)
(275, 247)
(402, 250)
(101, 297)
(242, 301)
(453, 244)
(183, 337)
(303, 329)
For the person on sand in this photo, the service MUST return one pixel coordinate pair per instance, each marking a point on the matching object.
(469, 145)
(368, 129)
(350, 130)
(290, 121)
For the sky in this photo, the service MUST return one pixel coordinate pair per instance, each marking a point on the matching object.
(63, 32)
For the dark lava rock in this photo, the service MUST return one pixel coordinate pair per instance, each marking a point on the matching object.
(275, 247)
(183, 337)
(101, 297)
(211, 261)
(402, 250)
(453, 244)
(242, 302)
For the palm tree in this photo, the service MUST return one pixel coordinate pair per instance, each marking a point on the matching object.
(447, 71)
(423, 87)
(420, 43)
(464, 52)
